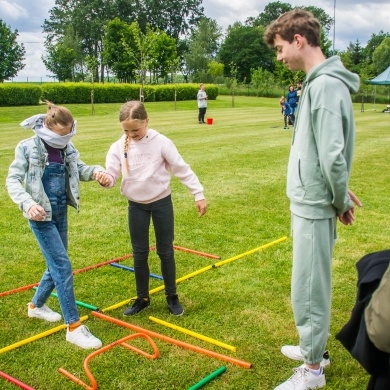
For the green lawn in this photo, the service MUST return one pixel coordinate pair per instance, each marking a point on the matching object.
(241, 161)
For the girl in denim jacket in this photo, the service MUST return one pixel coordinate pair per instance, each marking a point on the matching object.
(49, 166)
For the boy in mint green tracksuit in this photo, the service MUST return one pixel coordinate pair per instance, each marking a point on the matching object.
(317, 183)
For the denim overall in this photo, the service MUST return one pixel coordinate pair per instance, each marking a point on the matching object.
(52, 237)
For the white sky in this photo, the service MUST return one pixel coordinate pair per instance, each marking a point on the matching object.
(355, 19)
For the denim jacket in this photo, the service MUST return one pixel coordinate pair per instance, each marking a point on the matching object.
(28, 166)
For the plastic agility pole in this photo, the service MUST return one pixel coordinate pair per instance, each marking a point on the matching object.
(167, 339)
(180, 248)
(101, 264)
(193, 334)
(208, 378)
(74, 272)
(249, 252)
(15, 381)
(36, 337)
(15, 290)
(192, 274)
(78, 303)
(132, 270)
(157, 289)
(121, 342)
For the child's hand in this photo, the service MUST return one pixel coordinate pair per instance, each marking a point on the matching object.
(201, 206)
(103, 178)
(36, 213)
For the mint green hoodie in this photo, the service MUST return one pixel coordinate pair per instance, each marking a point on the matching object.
(322, 146)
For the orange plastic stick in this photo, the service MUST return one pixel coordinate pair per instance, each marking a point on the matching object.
(15, 290)
(121, 342)
(173, 341)
(180, 248)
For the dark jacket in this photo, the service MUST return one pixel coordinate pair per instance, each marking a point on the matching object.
(353, 335)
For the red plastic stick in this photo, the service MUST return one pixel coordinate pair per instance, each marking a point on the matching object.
(15, 381)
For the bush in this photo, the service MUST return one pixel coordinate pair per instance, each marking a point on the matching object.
(81, 93)
(19, 94)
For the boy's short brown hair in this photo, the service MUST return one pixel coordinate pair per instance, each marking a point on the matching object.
(294, 22)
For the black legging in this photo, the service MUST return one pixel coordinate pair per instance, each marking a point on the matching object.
(202, 113)
(139, 216)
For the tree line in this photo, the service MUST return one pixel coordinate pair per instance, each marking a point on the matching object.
(153, 42)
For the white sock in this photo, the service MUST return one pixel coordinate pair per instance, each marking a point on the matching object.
(316, 372)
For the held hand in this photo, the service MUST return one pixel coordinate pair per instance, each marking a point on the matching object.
(103, 178)
(201, 207)
(36, 213)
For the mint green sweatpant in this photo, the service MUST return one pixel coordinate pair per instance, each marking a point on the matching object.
(311, 286)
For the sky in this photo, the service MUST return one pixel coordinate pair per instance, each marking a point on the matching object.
(355, 20)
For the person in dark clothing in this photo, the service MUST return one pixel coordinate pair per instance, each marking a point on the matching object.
(355, 337)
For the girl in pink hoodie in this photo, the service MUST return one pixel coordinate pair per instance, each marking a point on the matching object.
(147, 160)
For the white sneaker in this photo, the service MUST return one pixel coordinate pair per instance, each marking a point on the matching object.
(303, 379)
(294, 352)
(83, 338)
(44, 313)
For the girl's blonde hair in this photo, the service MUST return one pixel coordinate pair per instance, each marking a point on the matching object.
(57, 115)
(132, 110)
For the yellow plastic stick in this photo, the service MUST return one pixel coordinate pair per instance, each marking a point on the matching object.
(192, 274)
(193, 334)
(249, 252)
(36, 337)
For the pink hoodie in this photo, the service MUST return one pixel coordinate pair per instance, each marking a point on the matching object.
(148, 168)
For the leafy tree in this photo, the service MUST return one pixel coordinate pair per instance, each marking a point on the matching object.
(89, 17)
(203, 45)
(215, 70)
(325, 20)
(274, 9)
(162, 55)
(62, 57)
(244, 46)
(118, 36)
(11, 53)
(271, 12)
(175, 17)
(60, 60)
(372, 44)
(353, 57)
(86, 18)
(381, 56)
(262, 80)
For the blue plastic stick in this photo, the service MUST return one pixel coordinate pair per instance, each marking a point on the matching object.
(132, 270)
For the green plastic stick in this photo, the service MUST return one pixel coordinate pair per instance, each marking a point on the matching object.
(86, 305)
(208, 378)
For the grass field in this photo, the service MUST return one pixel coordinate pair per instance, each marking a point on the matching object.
(241, 161)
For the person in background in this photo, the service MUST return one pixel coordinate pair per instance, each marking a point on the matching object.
(286, 111)
(49, 165)
(292, 98)
(319, 167)
(202, 104)
(146, 160)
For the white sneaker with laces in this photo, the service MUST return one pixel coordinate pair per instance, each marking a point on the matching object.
(294, 352)
(83, 338)
(44, 313)
(303, 379)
